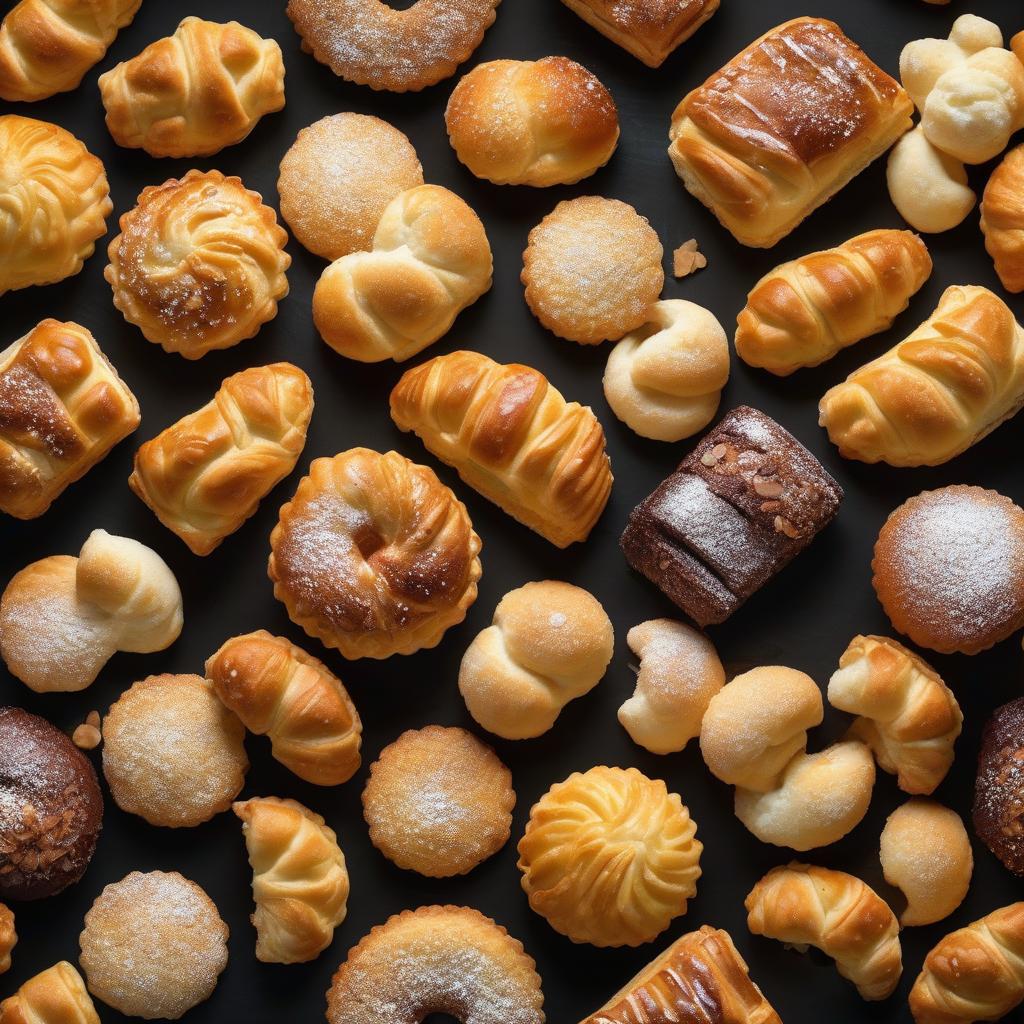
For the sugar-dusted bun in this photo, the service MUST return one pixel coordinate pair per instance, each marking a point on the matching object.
(926, 854)
(1002, 219)
(999, 786)
(532, 122)
(680, 672)
(54, 996)
(664, 380)
(757, 723)
(820, 798)
(550, 643)
(927, 186)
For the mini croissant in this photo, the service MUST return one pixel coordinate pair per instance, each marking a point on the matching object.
(55, 996)
(512, 437)
(1002, 219)
(277, 689)
(300, 882)
(193, 93)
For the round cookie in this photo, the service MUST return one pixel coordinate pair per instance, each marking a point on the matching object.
(949, 569)
(153, 945)
(51, 808)
(999, 787)
(438, 801)
(592, 270)
(172, 753)
(339, 176)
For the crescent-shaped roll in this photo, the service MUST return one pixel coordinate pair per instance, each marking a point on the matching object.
(805, 311)
(932, 396)
(1002, 219)
(54, 996)
(512, 437)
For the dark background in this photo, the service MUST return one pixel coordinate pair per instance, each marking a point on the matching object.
(803, 619)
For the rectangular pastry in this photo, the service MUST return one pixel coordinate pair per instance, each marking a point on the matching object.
(784, 126)
(741, 505)
(62, 408)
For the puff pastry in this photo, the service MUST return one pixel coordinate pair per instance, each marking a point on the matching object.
(1002, 219)
(55, 996)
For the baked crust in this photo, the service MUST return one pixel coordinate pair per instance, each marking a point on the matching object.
(1002, 219)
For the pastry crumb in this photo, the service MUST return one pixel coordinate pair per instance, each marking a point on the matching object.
(688, 259)
(87, 737)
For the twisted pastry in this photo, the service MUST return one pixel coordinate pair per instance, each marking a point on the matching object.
(1002, 219)
(54, 996)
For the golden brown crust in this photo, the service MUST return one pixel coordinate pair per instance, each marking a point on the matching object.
(8, 940)
(1002, 219)
(54, 996)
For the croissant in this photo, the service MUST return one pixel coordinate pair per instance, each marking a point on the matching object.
(205, 475)
(62, 409)
(47, 46)
(278, 690)
(512, 437)
(845, 918)
(954, 380)
(193, 93)
(1002, 219)
(300, 882)
(805, 311)
(908, 716)
(56, 996)
(974, 973)
(430, 260)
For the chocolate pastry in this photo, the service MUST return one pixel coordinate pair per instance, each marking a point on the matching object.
(999, 789)
(741, 505)
(51, 808)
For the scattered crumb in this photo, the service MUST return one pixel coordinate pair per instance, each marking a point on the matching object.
(87, 737)
(93, 719)
(687, 259)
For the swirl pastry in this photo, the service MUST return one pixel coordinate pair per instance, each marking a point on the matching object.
(610, 857)
(54, 202)
(195, 92)
(54, 996)
(1002, 219)
(199, 264)
(374, 555)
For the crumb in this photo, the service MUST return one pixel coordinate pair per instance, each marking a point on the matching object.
(87, 737)
(687, 259)
(93, 719)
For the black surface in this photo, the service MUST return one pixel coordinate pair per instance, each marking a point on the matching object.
(804, 619)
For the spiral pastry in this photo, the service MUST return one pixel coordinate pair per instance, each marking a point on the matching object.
(199, 264)
(54, 202)
(610, 857)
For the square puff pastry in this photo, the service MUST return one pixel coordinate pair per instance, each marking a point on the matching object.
(783, 127)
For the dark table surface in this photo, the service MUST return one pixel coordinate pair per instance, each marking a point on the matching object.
(804, 619)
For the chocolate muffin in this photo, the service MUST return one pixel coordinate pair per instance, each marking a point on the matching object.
(51, 808)
(999, 789)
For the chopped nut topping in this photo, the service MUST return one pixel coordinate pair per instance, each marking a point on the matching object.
(767, 488)
(783, 525)
(687, 259)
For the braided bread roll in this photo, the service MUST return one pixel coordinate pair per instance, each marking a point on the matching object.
(932, 396)
(1002, 219)
(47, 46)
(430, 260)
(974, 973)
(845, 918)
(805, 311)
(205, 475)
(511, 436)
(54, 996)
(193, 93)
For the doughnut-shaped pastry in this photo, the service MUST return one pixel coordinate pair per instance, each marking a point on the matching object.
(371, 43)
(54, 202)
(54, 996)
(610, 857)
(374, 555)
(449, 960)
(199, 264)
(532, 122)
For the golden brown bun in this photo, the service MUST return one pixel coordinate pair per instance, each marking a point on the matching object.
(205, 475)
(64, 408)
(783, 127)
(280, 691)
(845, 918)
(430, 260)
(195, 92)
(47, 46)
(1002, 219)
(532, 122)
(805, 311)
(54, 996)
(929, 398)
(8, 940)
(512, 437)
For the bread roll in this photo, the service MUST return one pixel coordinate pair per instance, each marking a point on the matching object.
(54, 996)
(1002, 219)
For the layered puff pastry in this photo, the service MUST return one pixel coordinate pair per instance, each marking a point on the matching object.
(511, 436)
(205, 475)
(1002, 219)
(55, 996)
(199, 263)
(54, 203)
(195, 92)
(783, 127)
(63, 407)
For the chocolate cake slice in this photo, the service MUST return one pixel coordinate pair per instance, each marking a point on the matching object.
(743, 503)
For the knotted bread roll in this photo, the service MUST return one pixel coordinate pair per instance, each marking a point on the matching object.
(54, 996)
(1002, 219)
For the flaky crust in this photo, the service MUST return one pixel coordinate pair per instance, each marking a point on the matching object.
(205, 475)
(512, 437)
(1002, 219)
(63, 407)
(374, 555)
(8, 940)
(54, 996)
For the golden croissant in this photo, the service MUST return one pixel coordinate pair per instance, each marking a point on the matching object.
(300, 882)
(1002, 219)
(279, 690)
(195, 92)
(846, 919)
(804, 312)
(205, 475)
(54, 996)
(932, 396)
(512, 437)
